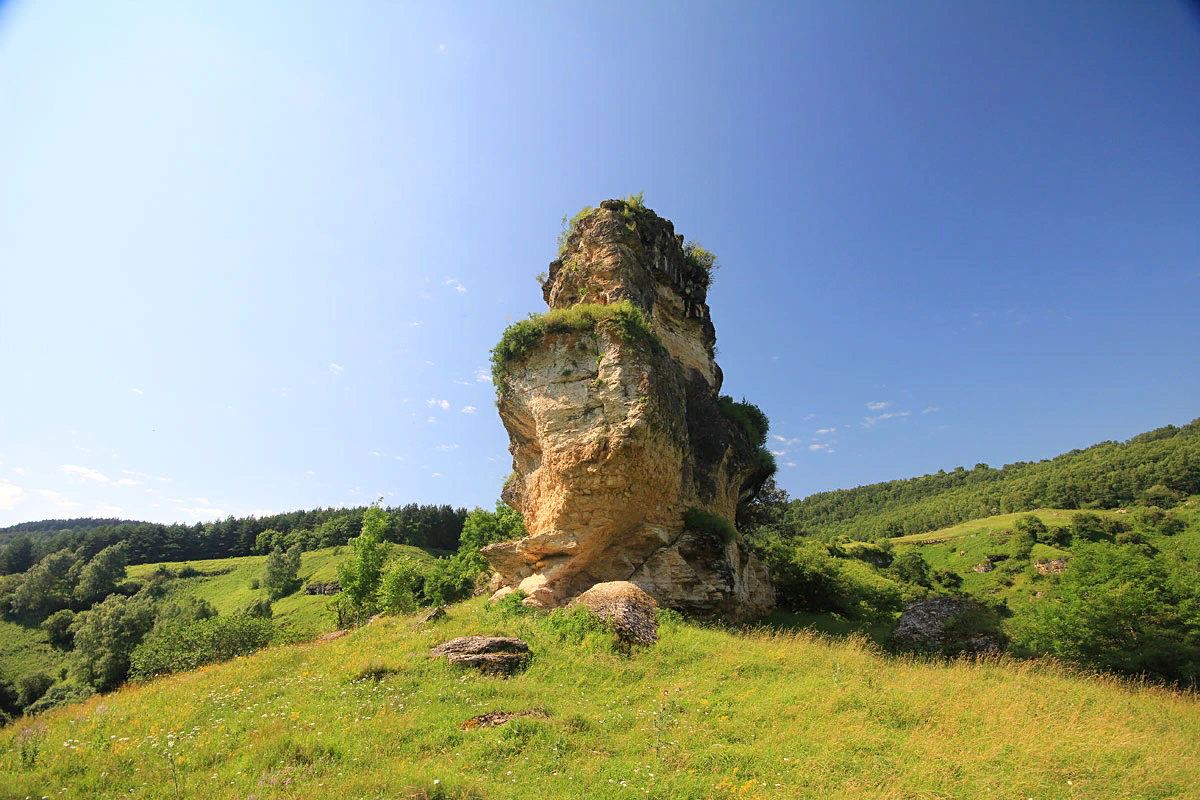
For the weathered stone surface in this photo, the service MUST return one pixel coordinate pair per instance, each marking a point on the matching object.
(491, 655)
(430, 616)
(612, 440)
(985, 566)
(493, 718)
(627, 609)
(923, 626)
(1054, 566)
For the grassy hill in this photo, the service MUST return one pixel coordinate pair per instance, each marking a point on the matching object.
(226, 583)
(707, 712)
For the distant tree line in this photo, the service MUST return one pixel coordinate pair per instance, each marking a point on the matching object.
(432, 526)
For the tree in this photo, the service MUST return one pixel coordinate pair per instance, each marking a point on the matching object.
(397, 589)
(360, 574)
(58, 629)
(100, 577)
(910, 567)
(18, 556)
(106, 635)
(46, 587)
(279, 575)
(452, 579)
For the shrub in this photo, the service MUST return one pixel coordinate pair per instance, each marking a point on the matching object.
(30, 688)
(260, 608)
(569, 224)
(397, 589)
(911, 567)
(697, 519)
(808, 577)
(58, 629)
(749, 417)
(701, 259)
(184, 646)
(59, 696)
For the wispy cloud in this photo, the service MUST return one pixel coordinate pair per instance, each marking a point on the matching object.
(878, 406)
(469, 409)
(824, 431)
(85, 474)
(374, 452)
(433, 402)
(203, 513)
(458, 287)
(128, 482)
(779, 452)
(786, 440)
(483, 375)
(461, 382)
(809, 416)
(11, 496)
(137, 474)
(931, 410)
(821, 448)
(137, 391)
(432, 419)
(57, 499)
(869, 421)
(336, 369)
(445, 448)
(790, 464)
(436, 475)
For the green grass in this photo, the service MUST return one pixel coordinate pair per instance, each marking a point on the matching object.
(26, 650)
(231, 592)
(1004, 522)
(706, 712)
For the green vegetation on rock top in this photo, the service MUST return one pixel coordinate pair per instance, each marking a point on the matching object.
(522, 337)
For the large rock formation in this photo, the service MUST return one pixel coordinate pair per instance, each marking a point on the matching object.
(617, 430)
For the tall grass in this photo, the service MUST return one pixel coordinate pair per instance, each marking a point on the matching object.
(707, 712)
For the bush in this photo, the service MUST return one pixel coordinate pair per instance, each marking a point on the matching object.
(58, 629)
(911, 567)
(749, 417)
(260, 608)
(184, 646)
(59, 696)
(397, 589)
(809, 578)
(453, 579)
(701, 259)
(522, 337)
(30, 688)
(697, 519)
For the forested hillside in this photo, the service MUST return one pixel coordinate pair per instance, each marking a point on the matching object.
(436, 527)
(1154, 468)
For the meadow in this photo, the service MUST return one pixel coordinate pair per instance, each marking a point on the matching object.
(707, 712)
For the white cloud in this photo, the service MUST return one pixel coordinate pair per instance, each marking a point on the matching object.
(175, 500)
(137, 391)
(429, 363)
(432, 419)
(790, 464)
(128, 482)
(156, 505)
(820, 448)
(469, 409)
(808, 417)
(57, 499)
(779, 452)
(435, 403)
(374, 452)
(458, 287)
(85, 474)
(203, 512)
(878, 406)
(413, 324)
(483, 375)
(823, 431)
(461, 382)
(201, 500)
(11, 496)
(143, 475)
(336, 369)
(436, 475)
(786, 440)
(931, 410)
(869, 421)
(399, 458)
(21, 470)
(445, 448)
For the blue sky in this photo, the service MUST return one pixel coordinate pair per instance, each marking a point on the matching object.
(253, 256)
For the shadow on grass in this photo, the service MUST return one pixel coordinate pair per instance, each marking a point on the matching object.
(829, 624)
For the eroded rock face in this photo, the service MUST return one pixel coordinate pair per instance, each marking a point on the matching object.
(613, 440)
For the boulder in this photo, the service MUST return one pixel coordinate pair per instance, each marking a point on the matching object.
(491, 655)
(627, 609)
(923, 626)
